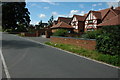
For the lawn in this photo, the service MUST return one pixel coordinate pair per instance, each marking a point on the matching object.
(93, 54)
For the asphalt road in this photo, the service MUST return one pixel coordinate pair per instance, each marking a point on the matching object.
(26, 59)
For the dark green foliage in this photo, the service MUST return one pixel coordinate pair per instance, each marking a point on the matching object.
(31, 28)
(14, 14)
(109, 41)
(50, 22)
(60, 32)
(91, 34)
(39, 26)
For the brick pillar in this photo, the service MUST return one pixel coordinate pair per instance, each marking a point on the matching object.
(37, 33)
(47, 33)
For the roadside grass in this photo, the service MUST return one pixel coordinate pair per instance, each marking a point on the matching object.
(93, 54)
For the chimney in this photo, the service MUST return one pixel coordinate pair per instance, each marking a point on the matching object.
(111, 7)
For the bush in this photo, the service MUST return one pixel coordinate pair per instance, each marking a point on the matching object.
(60, 32)
(91, 34)
(108, 42)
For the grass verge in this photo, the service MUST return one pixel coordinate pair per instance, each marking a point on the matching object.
(93, 54)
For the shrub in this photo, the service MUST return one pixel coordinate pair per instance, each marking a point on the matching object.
(108, 42)
(60, 32)
(91, 34)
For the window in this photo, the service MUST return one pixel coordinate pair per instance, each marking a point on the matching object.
(74, 23)
(90, 29)
(90, 21)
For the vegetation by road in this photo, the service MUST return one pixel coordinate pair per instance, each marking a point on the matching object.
(110, 59)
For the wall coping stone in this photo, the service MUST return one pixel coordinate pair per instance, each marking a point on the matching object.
(74, 38)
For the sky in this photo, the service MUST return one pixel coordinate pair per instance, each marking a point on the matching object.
(44, 10)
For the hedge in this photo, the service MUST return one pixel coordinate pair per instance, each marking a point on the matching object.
(108, 41)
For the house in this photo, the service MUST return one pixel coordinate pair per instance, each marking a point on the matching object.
(62, 25)
(111, 22)
(78, 23)
(94, 18)
(64, 19)
(91, 21)
(55, 22)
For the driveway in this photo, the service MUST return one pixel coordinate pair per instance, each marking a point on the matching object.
(26, 59)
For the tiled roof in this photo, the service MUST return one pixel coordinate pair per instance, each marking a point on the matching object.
(113, 21)
(85, 14)
(55, 22)
(117, 8)
(104, 12)
(80, 18)
(97, 14)
(64, 19)
(62, 25)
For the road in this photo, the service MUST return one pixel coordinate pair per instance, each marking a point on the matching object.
(26, 59)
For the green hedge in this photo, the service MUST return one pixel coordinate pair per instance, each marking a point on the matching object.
(91, 34)
(108, 41)
(60, 32)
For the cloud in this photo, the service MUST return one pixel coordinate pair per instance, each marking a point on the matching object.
(94, 5)
(77, 12)
(35, 5)
(72, 12)
(99, 4)
(114, 4)
(34, 22)
(45, 7)
(50, 2)
(81, 6)
(42, 15)
(54, 13)
(82, 13)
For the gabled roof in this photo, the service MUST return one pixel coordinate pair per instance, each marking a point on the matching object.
(113, 21)
(97, 14)
(61, 25)
(117, 8)
(102, 13)
(64, 19)
(55, 22)
(79, 18)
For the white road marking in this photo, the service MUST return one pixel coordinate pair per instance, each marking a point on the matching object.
(5, 66)
(70, 52)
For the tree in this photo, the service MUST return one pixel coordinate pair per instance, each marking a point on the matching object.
(50, 22)
(40, 25)
(14, 14)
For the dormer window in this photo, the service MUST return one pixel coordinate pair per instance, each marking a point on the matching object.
(90, 21)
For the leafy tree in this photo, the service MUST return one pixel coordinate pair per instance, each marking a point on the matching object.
(14, 14)
(50, 22)
(31, 28)
(40, 25)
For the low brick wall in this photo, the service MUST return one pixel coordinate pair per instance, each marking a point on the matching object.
(84, 43)
(30, 34)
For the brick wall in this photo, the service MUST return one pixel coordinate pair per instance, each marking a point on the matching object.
(84, 43)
